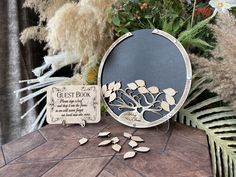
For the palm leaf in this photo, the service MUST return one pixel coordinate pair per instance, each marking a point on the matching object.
(219, 123)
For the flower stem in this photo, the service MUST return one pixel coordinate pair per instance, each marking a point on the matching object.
(193, 14)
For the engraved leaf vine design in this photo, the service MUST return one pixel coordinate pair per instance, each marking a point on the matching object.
(137, 98)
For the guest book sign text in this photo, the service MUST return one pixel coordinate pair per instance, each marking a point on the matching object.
(73, 104)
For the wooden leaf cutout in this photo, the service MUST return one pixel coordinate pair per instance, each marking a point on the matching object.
(140, 83)
(83, 141)
(115, 140)
(117, 86)
(111, 86)
(104, 89)
(104, 134)
(129, 154)
(107, 93)
(165, 106)
(133, 144)
(127, 135)
(132, 86)
(153, 90)
(137, 139)
(116, 147)
(143, 90)
(142, 149)
(104, 143)
(170, 91)
(112, 97)
(170, 100)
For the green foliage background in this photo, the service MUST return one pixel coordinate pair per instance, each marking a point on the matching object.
(172, 16)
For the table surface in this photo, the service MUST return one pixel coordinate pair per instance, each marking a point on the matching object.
(54, 151)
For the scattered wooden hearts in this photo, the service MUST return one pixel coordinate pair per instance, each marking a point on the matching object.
(115, 140)
(116, 147)
(137, 139)
(142, 149)
(127, 135)
(133, 144)
(104, 143)
(104, 134)
(83, 141)
(129, 155)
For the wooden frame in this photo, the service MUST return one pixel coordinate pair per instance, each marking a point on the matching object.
(186, 89)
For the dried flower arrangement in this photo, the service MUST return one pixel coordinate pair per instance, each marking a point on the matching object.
(222, 69)
(79, 32)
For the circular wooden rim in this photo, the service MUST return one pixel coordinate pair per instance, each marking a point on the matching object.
(187, 85)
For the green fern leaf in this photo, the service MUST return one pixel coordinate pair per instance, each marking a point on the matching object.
(192, 32)
(198, 43)
(219, 123)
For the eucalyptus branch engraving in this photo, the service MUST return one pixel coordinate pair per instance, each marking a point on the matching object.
(137, 98)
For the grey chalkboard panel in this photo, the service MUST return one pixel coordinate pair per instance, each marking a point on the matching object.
(145, 78)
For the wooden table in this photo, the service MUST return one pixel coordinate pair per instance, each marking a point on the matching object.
(54, 151)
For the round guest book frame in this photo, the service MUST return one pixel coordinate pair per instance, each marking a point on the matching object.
(145, 78)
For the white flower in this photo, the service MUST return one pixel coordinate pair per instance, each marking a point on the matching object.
(222, 5)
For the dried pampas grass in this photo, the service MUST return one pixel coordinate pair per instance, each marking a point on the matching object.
(222, 70)
(45, 8)
(35, 33)
(81, 29)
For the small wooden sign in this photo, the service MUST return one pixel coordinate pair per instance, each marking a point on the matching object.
(73, 104)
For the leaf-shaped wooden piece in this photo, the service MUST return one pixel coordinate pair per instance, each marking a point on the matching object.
(104, 134)
(104, 143)
(104, 89)
(83, 141)
(116, 147)
(112, 97)
(115, 140)
(127, 135)
(132, 86)
(153, 90)
(137, 139)
(111, 86)
(142, 149)
(129, 154)
(165, 106)
(133, 144)
(107, 93)
(117, 86)
(170, 100)
(143, 90)
(140, 83)
(169, 91)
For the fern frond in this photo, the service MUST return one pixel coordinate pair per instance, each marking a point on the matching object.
(219, 123)
(192, 32)
(198, 43)
(189, 36)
